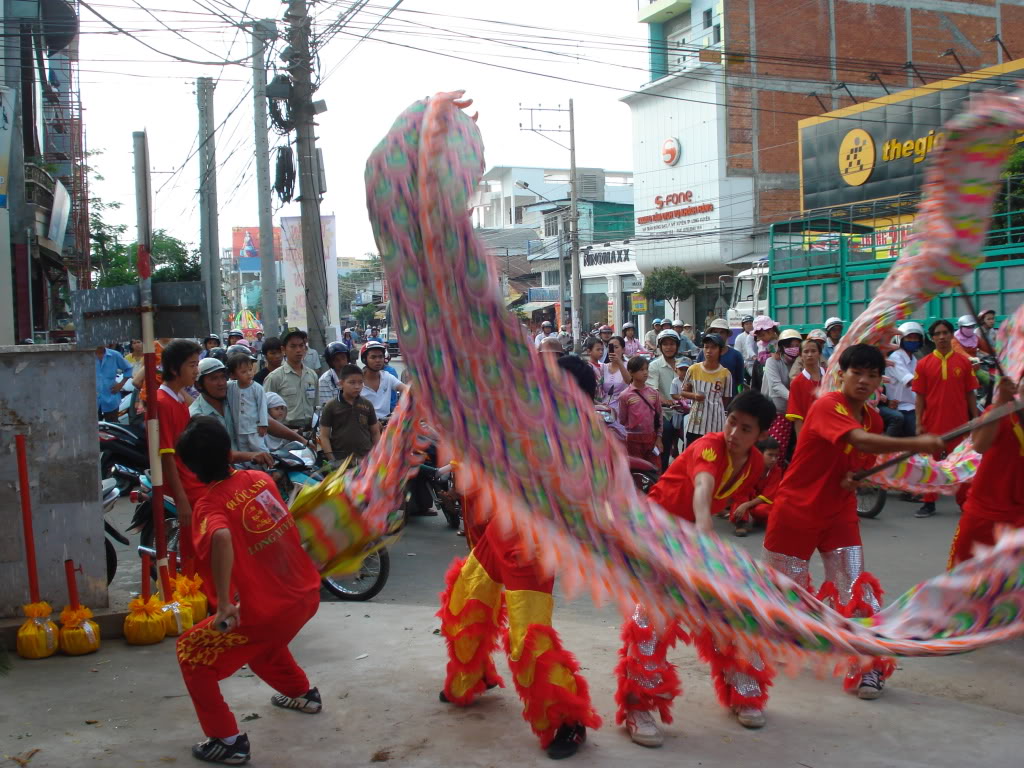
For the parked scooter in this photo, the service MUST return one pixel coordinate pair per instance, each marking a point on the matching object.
(124, 445)
(110, 496)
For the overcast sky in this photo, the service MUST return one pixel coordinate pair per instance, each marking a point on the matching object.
(127, 87)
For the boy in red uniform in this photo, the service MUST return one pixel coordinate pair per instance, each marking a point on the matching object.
(756, 509)
(816, 508)
(697, 485)
(266, 586)
(944, 383)
(556, 699)
(996, 495)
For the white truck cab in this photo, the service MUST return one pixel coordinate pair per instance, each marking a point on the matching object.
(749, 294)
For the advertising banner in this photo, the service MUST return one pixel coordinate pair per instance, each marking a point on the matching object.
(294, 274)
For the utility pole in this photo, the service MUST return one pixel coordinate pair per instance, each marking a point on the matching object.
(209, 246)
(262, 32)
(574, 217)
(314, 268)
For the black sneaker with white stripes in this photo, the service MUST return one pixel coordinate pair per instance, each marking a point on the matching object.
(871, 685)
(217, 751)
(309, 702)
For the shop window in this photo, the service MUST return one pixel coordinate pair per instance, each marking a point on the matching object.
(707, 19)
(550, 226)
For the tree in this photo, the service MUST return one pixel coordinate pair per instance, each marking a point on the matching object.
(364, 315)
(671, 284)
(350, 284)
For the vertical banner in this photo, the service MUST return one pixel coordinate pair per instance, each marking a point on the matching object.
(329, 229)
(294, 275)
(7, 96)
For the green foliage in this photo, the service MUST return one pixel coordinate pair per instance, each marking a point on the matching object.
(671, 284)
(349, 285)
(1008, 208)
(364, 314)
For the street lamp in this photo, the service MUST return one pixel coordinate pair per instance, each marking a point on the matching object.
(561, 257)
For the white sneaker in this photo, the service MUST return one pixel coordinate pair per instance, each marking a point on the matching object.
(871, 685)
(751, 717)
(643, 729)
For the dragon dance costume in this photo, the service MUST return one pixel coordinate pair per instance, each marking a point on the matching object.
(496, 584)
(646, 681)
(813, 512)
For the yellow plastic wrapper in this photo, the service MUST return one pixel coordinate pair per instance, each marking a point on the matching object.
(38, 636)
(144, 624)
(186, 590)
(177, 617)
(79, 635)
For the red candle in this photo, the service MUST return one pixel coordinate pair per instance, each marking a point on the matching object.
(145, 577)
(69, 571)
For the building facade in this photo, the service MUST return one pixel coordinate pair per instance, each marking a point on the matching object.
(714, 130)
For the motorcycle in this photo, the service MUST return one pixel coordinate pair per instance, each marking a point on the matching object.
(110, 496)
(870, 501)
(122, 445)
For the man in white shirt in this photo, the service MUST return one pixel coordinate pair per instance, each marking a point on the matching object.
(547, 331)
(900, 413)
(650, 338)
(378, 384)
(746, 345)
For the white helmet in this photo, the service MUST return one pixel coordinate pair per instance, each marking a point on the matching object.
(626, 326)
(909, 327)
(967, 321)
(668, 334)
(833, 321)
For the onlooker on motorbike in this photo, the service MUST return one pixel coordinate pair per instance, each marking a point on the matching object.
(565, 339)
(347, 341)
(257, 344)
(604, 333)
(986, 331)
(348, 424)
(944, 383)
(661, 372)
(899, 413)
(633, 344)
(210, 343)
(552, 347)
(110, 365)
(378, 384)
(374, 335)
(686, 345)
(833, 333)
(249, 401)
(265, 588)
(337, 356)
(616, 375)
(966, 338)
(651, 337)
(212, 383)
(746, 345)
(688, 332)
(235, 335)
(273, 355)
(766, 331)
(547, 331)
(295, 381)
(640, 414)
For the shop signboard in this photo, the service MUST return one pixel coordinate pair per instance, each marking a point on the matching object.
(638, 303)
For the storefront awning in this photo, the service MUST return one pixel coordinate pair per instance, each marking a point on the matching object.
(533, 306)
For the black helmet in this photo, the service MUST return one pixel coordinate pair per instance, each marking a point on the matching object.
(334, 349)
(219, 353)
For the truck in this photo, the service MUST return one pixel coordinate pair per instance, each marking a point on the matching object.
(821, 266)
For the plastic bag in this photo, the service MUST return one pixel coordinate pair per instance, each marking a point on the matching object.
(78, 633)
(186, 590)
(38, 636)
(144, 624)
(177, 617)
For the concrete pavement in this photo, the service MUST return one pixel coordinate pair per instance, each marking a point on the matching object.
(383, 707)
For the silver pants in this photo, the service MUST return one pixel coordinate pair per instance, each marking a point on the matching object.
(843, 566)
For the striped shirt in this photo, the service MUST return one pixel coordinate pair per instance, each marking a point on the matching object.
(707, 415)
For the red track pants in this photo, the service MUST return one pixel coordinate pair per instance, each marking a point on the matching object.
(207, 656)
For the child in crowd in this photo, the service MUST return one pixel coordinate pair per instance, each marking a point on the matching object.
(277, 409)
(348, 424)
(710, 386)
(816, 508)
(249, 402)
(699, 484)
(758, 506)
(640, 414)
(682, 406)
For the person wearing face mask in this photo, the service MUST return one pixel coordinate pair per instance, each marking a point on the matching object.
(965, 340)
(775, 385)
(902, 400)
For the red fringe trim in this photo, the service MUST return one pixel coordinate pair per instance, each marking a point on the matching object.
(856, 668)
(486, 633)
(544, 699)
(723, 663)
(660, 697)
(858, 606)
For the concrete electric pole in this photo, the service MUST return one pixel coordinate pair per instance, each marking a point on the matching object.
(315, 270)
(262, 33)
(209, 246)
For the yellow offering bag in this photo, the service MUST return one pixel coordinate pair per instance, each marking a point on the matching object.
(38, 636)
(78, 633)
(144, 624)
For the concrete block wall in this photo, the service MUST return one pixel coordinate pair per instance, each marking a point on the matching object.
(48, 393)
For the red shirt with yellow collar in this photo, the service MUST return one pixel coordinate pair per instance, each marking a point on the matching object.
(997, 492)
(674, 491)
(811, 493)
(946, 382)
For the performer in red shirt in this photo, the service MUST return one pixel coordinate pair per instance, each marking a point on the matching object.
(556, 698)
(996, 495)
(699, 484)
(267, 588)
(944, 382)
(816, 508)
(755, 509)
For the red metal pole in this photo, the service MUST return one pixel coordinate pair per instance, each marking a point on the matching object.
(26, 518)
(69, 571)
(172, 557)
(146, 577)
